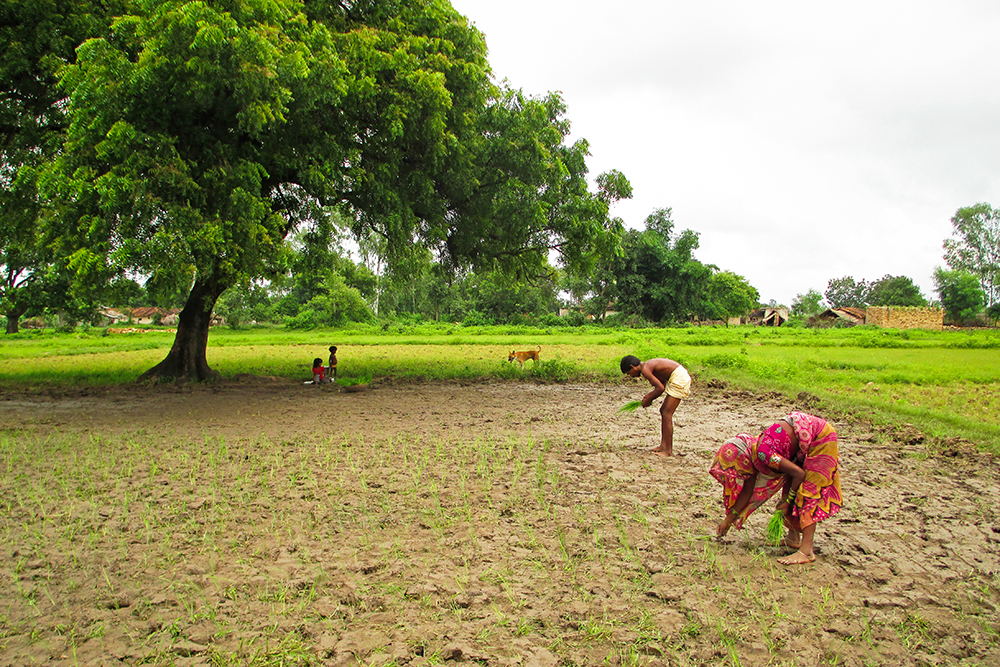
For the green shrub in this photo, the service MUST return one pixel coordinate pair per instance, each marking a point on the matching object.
(306, 319)
(553, 370)
(727, 360)
(474, 318)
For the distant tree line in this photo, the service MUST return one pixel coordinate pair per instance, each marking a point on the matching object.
(968, 288)
(653, 279)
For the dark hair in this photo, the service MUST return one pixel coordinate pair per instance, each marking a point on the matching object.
(317, 362)
(333, 348)
(628, 362)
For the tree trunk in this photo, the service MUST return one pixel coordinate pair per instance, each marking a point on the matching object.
(187, 358)
(14, 319)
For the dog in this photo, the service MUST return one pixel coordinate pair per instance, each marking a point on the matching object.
(524, 356)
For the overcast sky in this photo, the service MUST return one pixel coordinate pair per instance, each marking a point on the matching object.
(802, 141)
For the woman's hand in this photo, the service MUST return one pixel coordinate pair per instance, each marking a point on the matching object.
(786, 509)
(723, 527)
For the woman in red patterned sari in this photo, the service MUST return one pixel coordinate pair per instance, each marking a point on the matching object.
(803, 449)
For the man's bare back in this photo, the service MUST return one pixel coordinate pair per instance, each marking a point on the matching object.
(658, 372)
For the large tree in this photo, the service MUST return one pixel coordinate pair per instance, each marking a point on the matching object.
(807, 304)
(657, 277)
(846, 292)
(960, 293)
(204, 132)
(36, 38)
(895, 291)
(975, 247)
(729, 295)
(24, 262)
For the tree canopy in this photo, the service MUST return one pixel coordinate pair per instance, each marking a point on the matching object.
(657, 276)
(807, 304)
(975, 247)
(201, 133)
(895, 291)
(845, 292)
(886, 291)
(37, 37)
(730, 295)
(960, 293)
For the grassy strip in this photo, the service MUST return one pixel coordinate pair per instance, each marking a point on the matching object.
(946, 384)
(95, 340)
(940, 426)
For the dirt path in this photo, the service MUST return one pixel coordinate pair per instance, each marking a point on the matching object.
(509, 524)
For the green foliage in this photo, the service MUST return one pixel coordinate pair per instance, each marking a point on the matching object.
(201, 136)
(975, 247)
(354, 381)
(305, 319)
(657, 276)
(807, 304)
(553, 370)
(474, 318)
(339, 303)
(246, 303)
(631, 406)
(502, 299)
(525, 193)
(895, 291)
(847, 293)
(37, 37)
(730, 295)
(960, 293)
(727, 360)
(993, 312)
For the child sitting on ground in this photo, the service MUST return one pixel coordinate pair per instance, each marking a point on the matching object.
(318, 371)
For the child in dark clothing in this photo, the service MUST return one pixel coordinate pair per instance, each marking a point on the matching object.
(332, 369)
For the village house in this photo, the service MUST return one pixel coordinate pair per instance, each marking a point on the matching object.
(846, 315)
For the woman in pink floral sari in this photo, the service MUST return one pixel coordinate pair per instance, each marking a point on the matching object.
(800, 451)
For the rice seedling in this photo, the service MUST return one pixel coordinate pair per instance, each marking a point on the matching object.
(354, 381)
(631, 406)
(775, 528)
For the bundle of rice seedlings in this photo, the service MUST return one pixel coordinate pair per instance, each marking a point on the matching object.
(630, 406)
(351, 381)
(776, 528)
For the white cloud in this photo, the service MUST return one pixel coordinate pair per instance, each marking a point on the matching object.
(802, 142)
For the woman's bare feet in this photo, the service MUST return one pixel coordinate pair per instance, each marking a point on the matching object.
(797, 558)
(793, 539)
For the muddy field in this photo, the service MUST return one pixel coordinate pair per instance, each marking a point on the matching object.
(263, 522)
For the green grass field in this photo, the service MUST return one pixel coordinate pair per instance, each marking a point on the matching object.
(947, 384)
